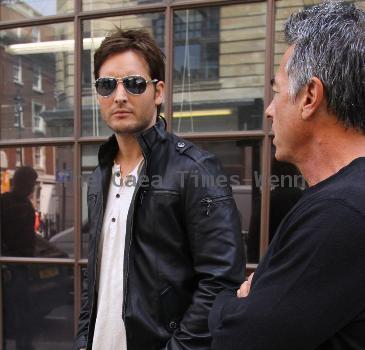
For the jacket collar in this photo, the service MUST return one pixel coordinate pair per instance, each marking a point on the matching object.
(146, 140)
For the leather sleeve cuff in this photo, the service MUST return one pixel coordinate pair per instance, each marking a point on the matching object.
(80, 343)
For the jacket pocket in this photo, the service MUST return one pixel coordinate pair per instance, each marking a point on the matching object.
(159, 194)
(165, 193)
(210, 202)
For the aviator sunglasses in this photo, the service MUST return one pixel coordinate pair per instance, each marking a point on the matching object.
(134, 84)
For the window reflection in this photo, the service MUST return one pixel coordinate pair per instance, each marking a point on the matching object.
(37, 202)
(201, 56)
(12, 10)
(92, 5)
(219, 55)
(38, 81)
(37, 306)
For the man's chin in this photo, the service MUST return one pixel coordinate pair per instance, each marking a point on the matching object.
(278, 155)
(283, 157)
(128, 129)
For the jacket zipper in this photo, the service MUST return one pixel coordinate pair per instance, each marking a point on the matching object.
(208, 202)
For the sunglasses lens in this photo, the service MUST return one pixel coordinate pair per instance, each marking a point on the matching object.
(135, 85)
(105, 86)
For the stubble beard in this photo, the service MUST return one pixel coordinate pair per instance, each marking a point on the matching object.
(130, 129)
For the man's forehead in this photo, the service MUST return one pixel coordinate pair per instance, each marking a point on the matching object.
(127, 62)
(287, 54)
(281, 72)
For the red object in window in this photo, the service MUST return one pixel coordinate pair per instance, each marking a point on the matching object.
(37, 222)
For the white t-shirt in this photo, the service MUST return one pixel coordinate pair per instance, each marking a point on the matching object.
(109, 330)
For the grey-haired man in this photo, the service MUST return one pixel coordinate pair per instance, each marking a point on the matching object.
(308, 291)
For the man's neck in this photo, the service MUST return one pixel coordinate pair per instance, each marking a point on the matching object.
(130, 151)
(326, 156)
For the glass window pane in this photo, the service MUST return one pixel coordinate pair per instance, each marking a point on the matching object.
(15, 10)
(38, 306)
(219, 59)
(89, 161)
(94, 32)
(93, 5)
(37, 202)
(37, 94)
(241, 162)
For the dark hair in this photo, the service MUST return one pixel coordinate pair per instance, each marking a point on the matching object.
(24, 180)
(329, 43)
(25, 174)
(138, 40)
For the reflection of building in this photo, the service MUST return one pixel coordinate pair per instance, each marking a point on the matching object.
(39, 81)
(219, 62)
(30, 78)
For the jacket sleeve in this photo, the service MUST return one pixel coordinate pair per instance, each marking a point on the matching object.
(83, 325)
(84, 318)
(214, 235)
(311, 287)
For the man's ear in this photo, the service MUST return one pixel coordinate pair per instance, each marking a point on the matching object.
(312, 98)
(159, 92)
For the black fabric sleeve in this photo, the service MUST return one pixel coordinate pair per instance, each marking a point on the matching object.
(84, 319)
(312, 285)
(217, 251)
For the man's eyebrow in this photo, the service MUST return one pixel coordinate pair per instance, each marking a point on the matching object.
(272, 82)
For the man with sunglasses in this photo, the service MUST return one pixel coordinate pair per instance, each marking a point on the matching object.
(162, 244)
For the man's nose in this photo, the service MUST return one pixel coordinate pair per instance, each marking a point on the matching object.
(268, 111)
(120, 94)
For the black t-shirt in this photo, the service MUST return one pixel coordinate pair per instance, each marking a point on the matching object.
(309, 290)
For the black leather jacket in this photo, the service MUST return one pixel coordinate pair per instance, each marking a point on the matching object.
(183, 244)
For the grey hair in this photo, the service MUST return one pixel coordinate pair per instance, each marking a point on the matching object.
(329, 43)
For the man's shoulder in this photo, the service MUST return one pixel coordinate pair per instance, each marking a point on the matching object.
(188, 149)
(347, 187)
(336, 202)
(8, 198)
(6, 195)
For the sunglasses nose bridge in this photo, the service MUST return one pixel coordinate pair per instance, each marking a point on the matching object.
(120, 91)
(119, 80)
